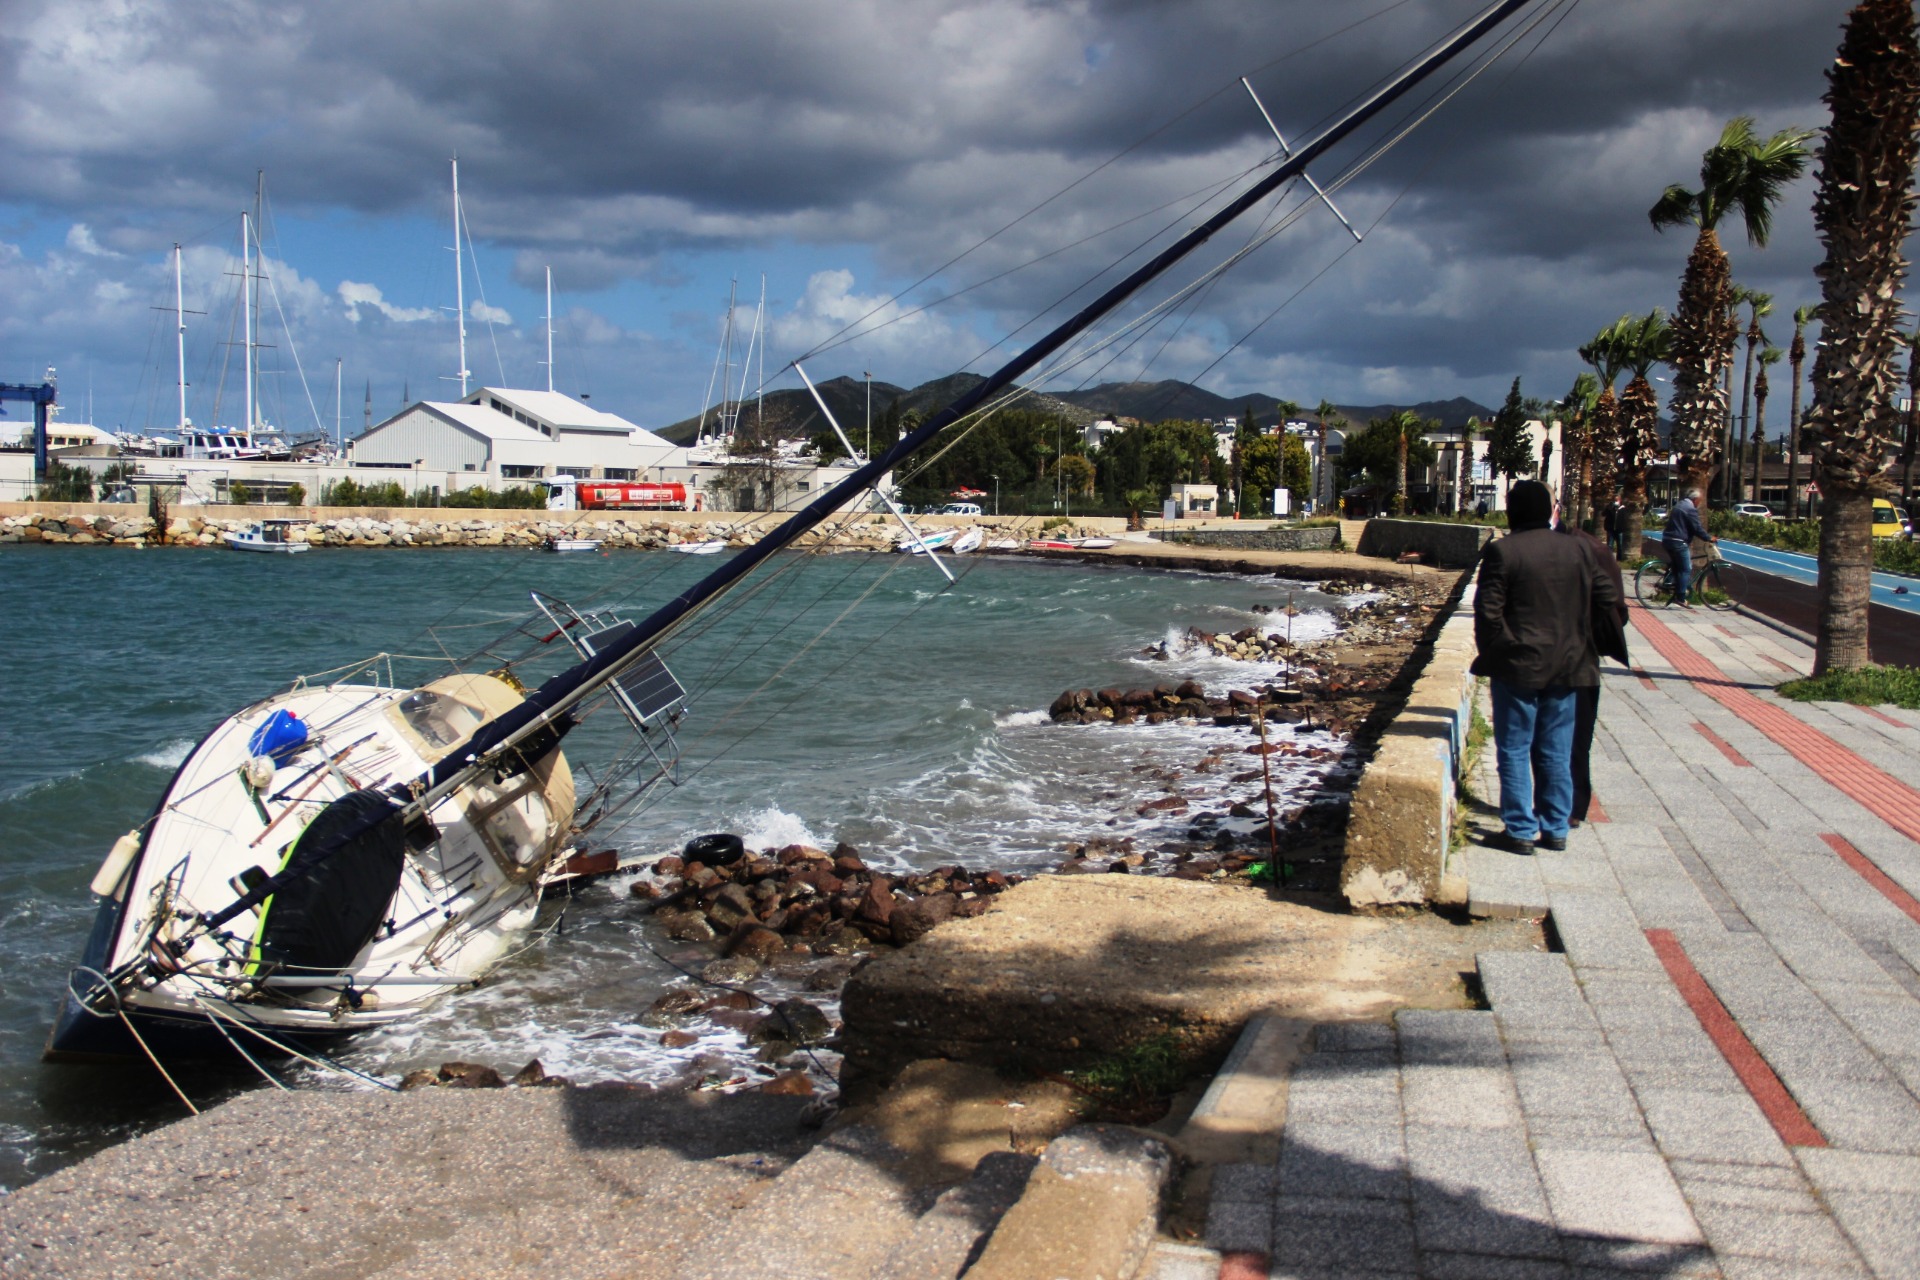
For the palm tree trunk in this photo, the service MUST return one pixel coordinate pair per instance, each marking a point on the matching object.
(1759, 431)
(1795, 357)
(1862, 210)
(1846, 580)
(1746, 407)
(1703, 336)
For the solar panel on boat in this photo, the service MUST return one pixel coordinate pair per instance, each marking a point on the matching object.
(648, 686)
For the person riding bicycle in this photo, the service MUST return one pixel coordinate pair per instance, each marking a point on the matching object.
(1683, 526)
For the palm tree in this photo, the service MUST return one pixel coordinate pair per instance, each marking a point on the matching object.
(1740, 172)
(1406, 426)
(1769, 356)
(1759, 306)
(1796, 358)
(1328, 409)
(1862, 210)
(1605, 354)
(1464, 485)
(1576, 445)
(1913, 421)
(1644, 343)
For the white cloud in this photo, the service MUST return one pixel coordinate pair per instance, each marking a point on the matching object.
(80, 240)
(488, 314)
(354, 295)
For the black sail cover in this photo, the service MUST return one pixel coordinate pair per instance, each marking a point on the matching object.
(324, 912)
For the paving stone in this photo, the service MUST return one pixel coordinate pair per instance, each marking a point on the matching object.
(1633, 1257)
(1360, 1098)
(1728, 1128)
(1437, 1265)
(1248, 1182)
(1832, 1170)
(1353, 1037)
(1786, 1237)
(1616, 1196)
(1359, 1236)
(1239, 1226)
(1738, 1268)
(1342, 1160)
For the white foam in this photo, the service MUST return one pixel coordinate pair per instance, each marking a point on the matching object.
(774, 828)
(170, 756)
(1021, 719)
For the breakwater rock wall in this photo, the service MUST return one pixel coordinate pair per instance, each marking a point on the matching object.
(106, 524)
(1438, 542)
(1318, 538)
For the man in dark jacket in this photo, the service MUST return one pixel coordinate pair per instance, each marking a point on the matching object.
(1683, 526)
(1533, 625)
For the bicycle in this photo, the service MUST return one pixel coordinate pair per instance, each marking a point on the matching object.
(1718, 583)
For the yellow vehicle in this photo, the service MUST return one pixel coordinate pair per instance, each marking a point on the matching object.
(1886, 520)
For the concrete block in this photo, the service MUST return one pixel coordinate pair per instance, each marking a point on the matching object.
(1352, 1037)
(1361, 1237)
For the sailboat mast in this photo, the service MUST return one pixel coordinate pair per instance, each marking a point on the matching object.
(729, 420)
(338, 440)
(253, 285)
(180, 335)
(459, 282)
(549, 328)
(246, 311)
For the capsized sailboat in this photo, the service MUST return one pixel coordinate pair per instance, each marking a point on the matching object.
(334, 857)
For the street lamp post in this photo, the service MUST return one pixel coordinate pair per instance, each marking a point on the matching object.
(869, 416)
(996, 497)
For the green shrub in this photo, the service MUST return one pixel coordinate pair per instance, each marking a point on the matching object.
(296, 495)
(239, 494)
(66, 484)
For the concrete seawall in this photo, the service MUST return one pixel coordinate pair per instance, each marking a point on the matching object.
(1399, 834)
(1451, 546)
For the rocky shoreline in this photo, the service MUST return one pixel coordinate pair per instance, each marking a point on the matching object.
(632, 531)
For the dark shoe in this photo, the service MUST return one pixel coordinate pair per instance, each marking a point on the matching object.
(1556, 843)
(1506, 843)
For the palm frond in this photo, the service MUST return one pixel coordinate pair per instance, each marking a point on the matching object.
(1675, 206)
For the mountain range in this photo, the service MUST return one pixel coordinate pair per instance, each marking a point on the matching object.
(792, 414)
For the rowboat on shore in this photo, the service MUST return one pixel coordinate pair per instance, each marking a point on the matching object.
(570, 544)
(335, 856)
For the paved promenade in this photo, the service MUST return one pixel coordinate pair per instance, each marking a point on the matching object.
(1717, 1074)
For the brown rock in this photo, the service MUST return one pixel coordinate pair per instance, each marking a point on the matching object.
(534, 1073)
(841, 940)
(685, 926)
(670, 866)
(792, 1084)
(914, 919)
(470, 1075)
(421, 1079)
(645, 889)
(756, 942)
(876, 903)
(678, 1039)
(848, 864)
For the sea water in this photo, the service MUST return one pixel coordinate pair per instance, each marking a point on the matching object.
(841, 698)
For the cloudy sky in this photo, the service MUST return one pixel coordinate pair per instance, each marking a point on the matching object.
(869, 159)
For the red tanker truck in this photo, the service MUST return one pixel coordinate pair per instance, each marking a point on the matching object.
(566, 493)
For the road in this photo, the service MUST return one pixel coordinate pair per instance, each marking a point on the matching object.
(1780, 585)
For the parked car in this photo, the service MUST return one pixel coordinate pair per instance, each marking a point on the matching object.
(1758, 510)
(125, 493)
(961, 509)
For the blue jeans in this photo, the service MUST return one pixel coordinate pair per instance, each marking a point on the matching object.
(1680, 561)
(1533, 743)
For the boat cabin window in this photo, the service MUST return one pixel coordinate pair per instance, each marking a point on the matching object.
(440, 720)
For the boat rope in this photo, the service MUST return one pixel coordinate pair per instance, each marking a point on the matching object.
(214, 1018)
(119, 1011)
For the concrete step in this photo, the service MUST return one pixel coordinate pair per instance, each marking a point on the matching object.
(836, 1214)
(950, 1236)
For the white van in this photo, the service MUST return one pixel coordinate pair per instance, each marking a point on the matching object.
(961, 509)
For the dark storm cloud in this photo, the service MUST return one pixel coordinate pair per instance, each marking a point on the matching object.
(609, 137)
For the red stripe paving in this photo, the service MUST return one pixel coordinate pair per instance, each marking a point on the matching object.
(1874, 876)
(1594, 812)
(1879, 792)
(1726, 748)
(1645, 679)
(1782, 1112)
(1243, 1266)
(1790, 670)
(1881, 715)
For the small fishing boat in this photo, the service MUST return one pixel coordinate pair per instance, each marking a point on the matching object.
(711, 547)
(1093, 544)
(918, 543)
(1004, 544)
(571, 544)
(266, 535)
(1051, 544)
(968, 541)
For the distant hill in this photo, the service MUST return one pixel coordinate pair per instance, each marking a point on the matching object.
(794, 414)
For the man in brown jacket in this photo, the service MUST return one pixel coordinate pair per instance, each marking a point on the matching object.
(1533, 625)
